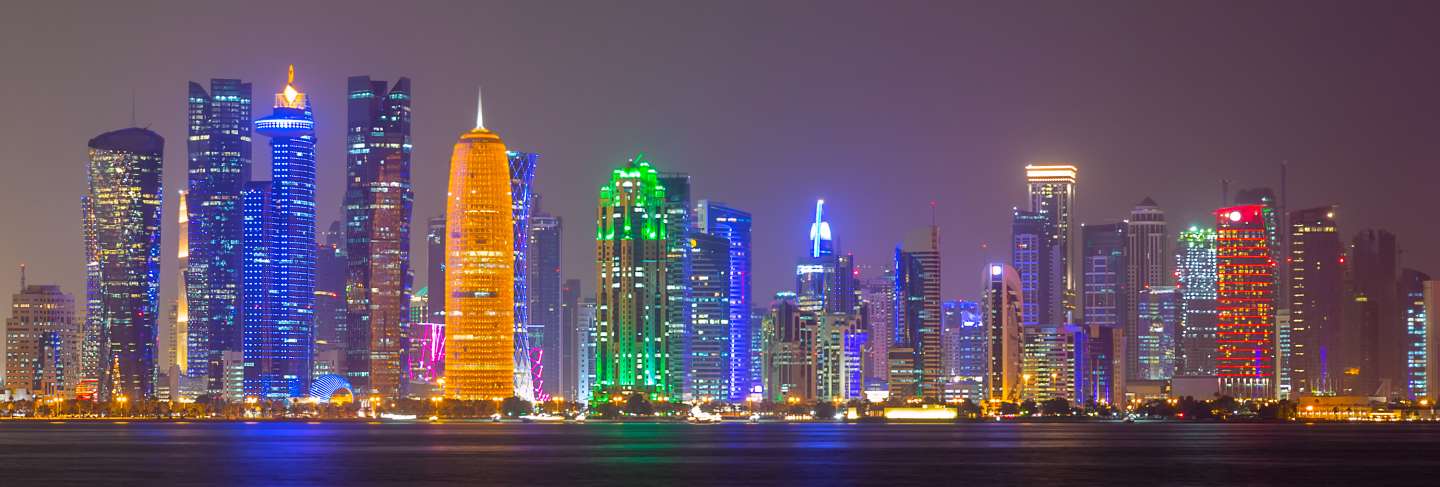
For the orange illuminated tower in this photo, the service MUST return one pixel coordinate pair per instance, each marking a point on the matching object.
(479, 269)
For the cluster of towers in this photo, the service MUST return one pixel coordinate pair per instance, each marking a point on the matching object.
(1261, 302)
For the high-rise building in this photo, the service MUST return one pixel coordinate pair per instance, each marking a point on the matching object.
(1049, 348)
(522, 199)
(1147, 251)
(677, 275)
(42, 342)
(585, 360)
(378, 202)
(542, 257)
(569, 359)
(278, 340)
(790, 372)
(1002, 310)
(1371, 324)
(1271, 214)
(710, 342)
(1159, 319)
(177, 343)
(878, 296)
(1051, 187)
(633, 348)
(480, 269)
(331, 273)
(1316, 300)
(1412, 301)
(122, 229)
(964, 350)
(1105, 301)
(219, 148)
(1245, 289)
(1195, 273)
(916, 366)
(435, 268)
(720, 220)
(1430, 291)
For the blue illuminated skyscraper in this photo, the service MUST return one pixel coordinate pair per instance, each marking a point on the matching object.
(677, 274)
(1039, 256)
(219, 147)
(916, 367)
(280, 249)
(378, 201)
(710, 344)
(522, 175)
(963, 334)
(122, 233)
(1412, 302)
(734, 225)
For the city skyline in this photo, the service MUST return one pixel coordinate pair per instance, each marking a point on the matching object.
(1109, 148)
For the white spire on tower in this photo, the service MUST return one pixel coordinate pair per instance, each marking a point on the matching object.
(479, 109)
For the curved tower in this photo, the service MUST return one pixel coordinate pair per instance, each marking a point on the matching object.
(479, 269)
(122, 228)
(280, 231)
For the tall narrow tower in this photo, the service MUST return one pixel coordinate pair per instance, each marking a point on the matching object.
(1245, 283)
(219, 147)
(278, 344)
(479, 269)
(378, 201)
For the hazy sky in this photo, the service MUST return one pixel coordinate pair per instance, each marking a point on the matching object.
(878, 107)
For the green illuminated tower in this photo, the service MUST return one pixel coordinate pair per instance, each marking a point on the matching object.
(632, 338)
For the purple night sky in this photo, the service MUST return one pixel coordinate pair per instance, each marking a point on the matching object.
(877, 107)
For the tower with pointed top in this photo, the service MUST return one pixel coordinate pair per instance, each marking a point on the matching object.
(632, 347)
(479, 269)
(279, 254)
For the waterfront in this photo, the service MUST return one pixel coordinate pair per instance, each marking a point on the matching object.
(289, 453)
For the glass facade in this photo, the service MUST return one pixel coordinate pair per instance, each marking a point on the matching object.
(1104, 277)
(1195, 274)
(1316, 290)
(543, 283)
(710, 342)
(734, 226)
(122, 229)
(378, 204)
(219, 148)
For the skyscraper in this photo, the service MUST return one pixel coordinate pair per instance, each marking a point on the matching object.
(586, 358)
(790, 353)
(480, 269)
(718, 219)
(522, 199)
(1412, 297)
(544, 292)
(632, 297)
(916, 366)
(219, 147)
(435, 268)
(331, 273)
(1195, 271)
(1245, 284)
(1051, 187)
(1049, 348)
(677, 274)
(378, 201)
(278, 344)
(177, 341)
(878, 295)
(42, 342)
(1002, 311)
(1148, 253)
(1104, 276)
(1316, 300)
(709, 375)
(1159, 319)
(122, 226)
(963, 334)
(1377, 330)
(825, 279)
(569, 359)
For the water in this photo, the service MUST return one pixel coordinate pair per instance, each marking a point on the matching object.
(139, 453)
